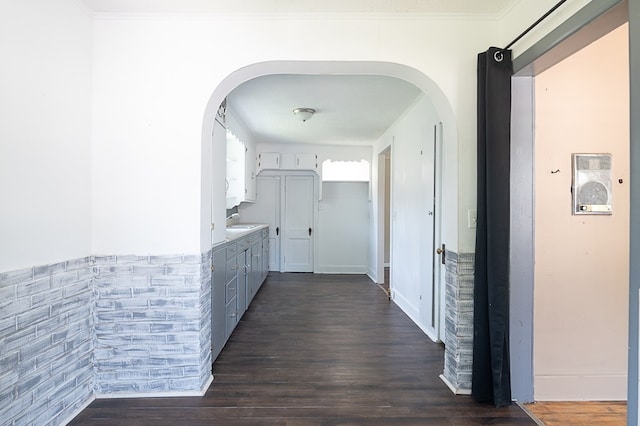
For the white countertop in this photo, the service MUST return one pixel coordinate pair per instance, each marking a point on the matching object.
(240, 230)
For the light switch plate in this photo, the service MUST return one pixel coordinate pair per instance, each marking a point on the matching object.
(472, 217)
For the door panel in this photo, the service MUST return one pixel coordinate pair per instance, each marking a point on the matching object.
(428, 308)
(298, 226)
(266, 209)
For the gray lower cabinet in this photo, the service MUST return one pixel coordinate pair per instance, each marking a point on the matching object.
(238, 271)
(265, 255)
(256, 263)
(231, 290)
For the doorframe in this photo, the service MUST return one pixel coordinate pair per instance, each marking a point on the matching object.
(439, 271)
(383, 214)
(588, 24)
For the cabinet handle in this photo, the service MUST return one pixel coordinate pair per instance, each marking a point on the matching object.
(309, 231)
(278, 230)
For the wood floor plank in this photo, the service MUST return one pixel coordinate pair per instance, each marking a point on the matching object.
(317, 350)
(568, 413)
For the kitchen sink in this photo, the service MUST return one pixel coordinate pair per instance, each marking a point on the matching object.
(242, 226)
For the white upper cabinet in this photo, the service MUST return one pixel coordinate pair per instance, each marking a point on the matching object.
(306, 161)
(235, 170)
(250, 173)
(268, 161)
(287, 161)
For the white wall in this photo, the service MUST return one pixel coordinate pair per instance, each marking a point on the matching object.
(411, 253)
(343, 228)
(582, 262)
(154, 76)
(45, 119)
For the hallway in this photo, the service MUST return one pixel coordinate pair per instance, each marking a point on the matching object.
(317, 349)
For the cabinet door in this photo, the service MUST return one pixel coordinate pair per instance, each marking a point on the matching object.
(250, 173)
(306, 161)
(266, 209)
(265, 257)
(243, 261)
(256, 267)
(231, 317)
(235, 171)
(268, 160)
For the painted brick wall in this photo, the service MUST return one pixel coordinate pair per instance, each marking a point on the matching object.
(458, 359)
(205, 319)
(150, 336)
(105, 326)
(46, 373)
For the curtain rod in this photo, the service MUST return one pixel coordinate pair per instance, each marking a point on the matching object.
(535, 24)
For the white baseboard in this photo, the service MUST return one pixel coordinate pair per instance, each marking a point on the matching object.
(455, 390)
(341, 269)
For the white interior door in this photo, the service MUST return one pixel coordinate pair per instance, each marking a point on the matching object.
(298, 224)
(439, 267)
(266, 209)
(428, 288)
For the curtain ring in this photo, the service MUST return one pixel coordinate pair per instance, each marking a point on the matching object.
(498, 56)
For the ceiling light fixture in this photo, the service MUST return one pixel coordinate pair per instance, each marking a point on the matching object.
(304, 114)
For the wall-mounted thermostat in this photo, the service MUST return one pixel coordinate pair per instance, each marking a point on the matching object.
(591, 184)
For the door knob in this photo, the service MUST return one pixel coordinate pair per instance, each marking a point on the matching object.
(442, 251)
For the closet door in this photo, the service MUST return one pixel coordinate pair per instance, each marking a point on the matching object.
(266, 209)
(298, 232)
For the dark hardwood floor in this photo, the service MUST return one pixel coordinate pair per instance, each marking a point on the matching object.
(317, 350)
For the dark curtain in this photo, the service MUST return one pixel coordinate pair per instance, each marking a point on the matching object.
(491, 380)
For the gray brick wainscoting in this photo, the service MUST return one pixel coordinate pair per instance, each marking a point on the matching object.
(152, 325)
(46, 344)
(102, 326)
(458, 359)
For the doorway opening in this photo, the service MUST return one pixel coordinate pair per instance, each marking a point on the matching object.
(405, 248)
(384, 196)
(533, 86)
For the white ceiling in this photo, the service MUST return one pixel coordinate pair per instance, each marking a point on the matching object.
(350, 109)
(492, 7)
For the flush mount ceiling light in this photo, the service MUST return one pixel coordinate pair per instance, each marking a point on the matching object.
(304, 114)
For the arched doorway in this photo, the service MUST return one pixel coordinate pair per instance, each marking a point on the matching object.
(212, 184)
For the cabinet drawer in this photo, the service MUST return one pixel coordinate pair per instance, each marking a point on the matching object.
(231, 314)
(230, 291)
(256, 236)
(231, 269)
(232, 250)
(244, 244)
